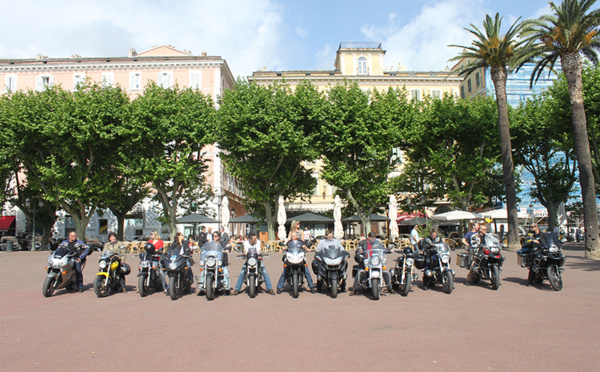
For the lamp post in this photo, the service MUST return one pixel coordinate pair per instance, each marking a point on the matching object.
(30, 204)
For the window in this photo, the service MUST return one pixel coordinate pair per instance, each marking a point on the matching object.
(43, 81)
(196, 79)
(469, 85)
(78, 78)
(415, 94)
(10, 83)
(477, 80)
(108, 79)
(462, 91)
(165, 79)
(436, 93)
(135, 80)
(362, 66)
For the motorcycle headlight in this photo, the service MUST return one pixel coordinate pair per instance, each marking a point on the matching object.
(410, 261)
(56, 262)
(145, 264)
(553, 249)
(172, 265)
(211, 262)
(220, 263)
(445, 258)
(375, 274)
(376, 261)
(332, 261)
(102, 264)
(252, 261)
(202, 263)
(495, 250)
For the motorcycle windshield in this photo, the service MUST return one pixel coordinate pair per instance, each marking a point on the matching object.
(106, 255)
(216, 254)
(375, 252)
(442, 247)
(60, 252)
(294, 246)
(553, 241)
(492, 240)
(252, 252)
(331, 251)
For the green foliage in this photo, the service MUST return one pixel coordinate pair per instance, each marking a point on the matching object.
(453, 152)
(266, 132)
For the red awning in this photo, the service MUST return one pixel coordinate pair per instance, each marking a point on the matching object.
(409, 216)
(6, 222)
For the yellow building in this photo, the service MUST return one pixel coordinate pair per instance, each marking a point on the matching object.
(360, 63)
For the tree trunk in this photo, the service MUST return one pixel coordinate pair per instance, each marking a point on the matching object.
(572, 66)
(552, 213)
(120, 223)
(271, 219)
(499, 75)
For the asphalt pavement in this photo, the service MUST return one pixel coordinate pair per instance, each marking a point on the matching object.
(472, 329)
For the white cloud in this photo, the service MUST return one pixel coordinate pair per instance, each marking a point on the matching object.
(301, 31)
(422, 43)
(247, 33)
(325, 57)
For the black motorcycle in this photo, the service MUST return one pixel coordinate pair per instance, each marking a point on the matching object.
(544, 260)
(402, 275)
(295, 261)
(177, 268)
(330, 269)
(253, 277)
(150, 269)
(487, 262)
(435, 263)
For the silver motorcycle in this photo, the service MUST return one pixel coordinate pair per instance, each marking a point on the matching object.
(60, 271)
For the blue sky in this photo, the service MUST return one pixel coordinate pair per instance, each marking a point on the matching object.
(252, 34)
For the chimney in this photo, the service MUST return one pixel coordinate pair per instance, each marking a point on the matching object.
(132, 52)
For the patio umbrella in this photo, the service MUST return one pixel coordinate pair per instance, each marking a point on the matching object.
(338, 231)
(454, 216)
(194, 219)
(374, 218)
(225, 213)
(310, 217)
(281, 218)
(415, 221)
(393, 217)
(250, 219)
(501, 214)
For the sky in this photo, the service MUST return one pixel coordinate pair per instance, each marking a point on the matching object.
(253, 34)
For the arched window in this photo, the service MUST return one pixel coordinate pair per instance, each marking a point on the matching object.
(362, 66)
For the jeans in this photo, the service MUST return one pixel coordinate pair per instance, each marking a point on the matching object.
(281, 281)
(79, 273)
(263, 271)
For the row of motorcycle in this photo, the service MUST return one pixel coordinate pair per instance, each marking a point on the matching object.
(545, 261)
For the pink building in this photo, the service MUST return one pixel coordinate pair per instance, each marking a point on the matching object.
(166, 66)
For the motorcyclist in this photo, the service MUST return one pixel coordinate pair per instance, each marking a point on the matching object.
(179, 247)
(117, 247)
(329, 241)
(365, 247)
(82, 250)
(294, 237)
(535, 239)
(253, 243)
(215, 245)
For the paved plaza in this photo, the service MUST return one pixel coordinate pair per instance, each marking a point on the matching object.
(473, 329)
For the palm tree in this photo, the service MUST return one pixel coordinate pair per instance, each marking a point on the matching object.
(570, 32)
(492, 50)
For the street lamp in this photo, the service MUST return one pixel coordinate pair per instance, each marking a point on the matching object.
(30, 204)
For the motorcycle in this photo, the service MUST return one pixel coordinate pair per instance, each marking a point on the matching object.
(253, 277)
(488, 260)
(374, 275)
(177, 267)
(60, 271)
(111, 274)
(403, 273)
(213, 276)
(435, 263)
(149, 276)
(295, 262)
(544, 260)
(331, 266)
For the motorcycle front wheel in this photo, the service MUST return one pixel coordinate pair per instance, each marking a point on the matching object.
(334, 288)
(495, 277)
(555, 278)
(210, 291)
(375, 288)
(101, 287)
(142, 286)
(173, 292)
(252, 286)
(48, 287)
(407, 284)
(448, 282)
(295, 286)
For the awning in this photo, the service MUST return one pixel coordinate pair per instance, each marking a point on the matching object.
(6, 222)
(408, 216)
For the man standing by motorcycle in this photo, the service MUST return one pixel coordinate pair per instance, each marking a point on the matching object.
(293, 237)
(362, 252)
(253, 243)
(473, 229)
(74, 245)
(415, 238)
(119, 248)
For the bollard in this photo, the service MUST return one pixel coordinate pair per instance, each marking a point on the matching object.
(9, 246)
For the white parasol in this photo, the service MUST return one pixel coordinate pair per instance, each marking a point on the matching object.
(225, 214)
(393, 217)
(281, 218)
(338, 231)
